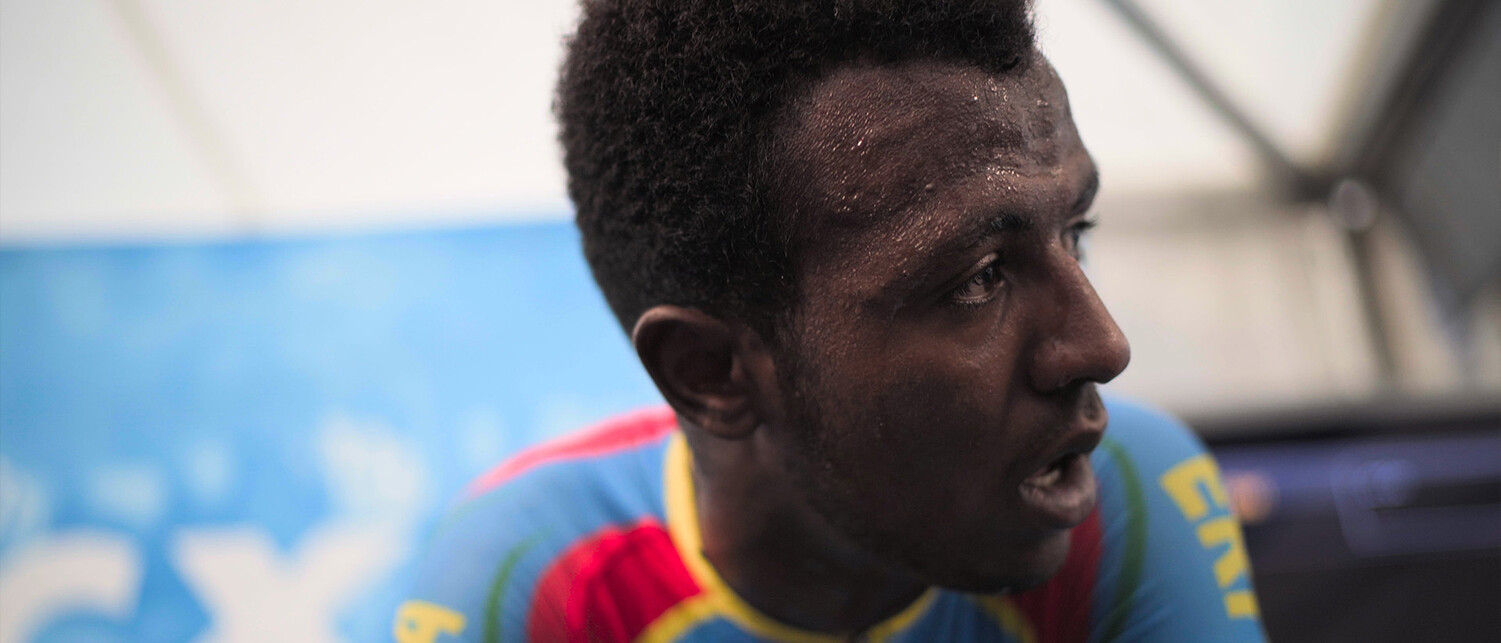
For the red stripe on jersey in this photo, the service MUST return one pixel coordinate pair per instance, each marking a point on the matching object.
(610, 587)
(1059, 609)
(614, 434)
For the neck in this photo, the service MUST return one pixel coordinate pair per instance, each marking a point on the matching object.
(779, 555)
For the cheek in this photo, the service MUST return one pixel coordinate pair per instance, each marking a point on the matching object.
(918, 396)
(925, 416)
(961, 373)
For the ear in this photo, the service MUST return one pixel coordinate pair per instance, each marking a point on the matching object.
(703, 366)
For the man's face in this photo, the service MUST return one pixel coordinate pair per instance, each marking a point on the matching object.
(940, 366)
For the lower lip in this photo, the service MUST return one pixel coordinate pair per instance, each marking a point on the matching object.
(1062, 498)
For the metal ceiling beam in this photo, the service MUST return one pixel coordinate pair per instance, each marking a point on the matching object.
(1448, 29)
(193, 115)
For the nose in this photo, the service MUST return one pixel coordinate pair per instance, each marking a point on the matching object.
(1078, 340)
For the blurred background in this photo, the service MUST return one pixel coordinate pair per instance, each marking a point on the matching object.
(277, 278)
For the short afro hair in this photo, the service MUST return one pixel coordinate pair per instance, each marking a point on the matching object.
(668, 108)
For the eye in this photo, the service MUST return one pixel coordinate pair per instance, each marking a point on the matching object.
(980, 287)
(1075, 234)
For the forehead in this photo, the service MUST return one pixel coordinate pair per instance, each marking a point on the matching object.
(873, 150)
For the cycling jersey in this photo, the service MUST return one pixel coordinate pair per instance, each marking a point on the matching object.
(595, 538)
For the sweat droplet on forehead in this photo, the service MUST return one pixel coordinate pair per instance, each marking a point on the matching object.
(868, 141)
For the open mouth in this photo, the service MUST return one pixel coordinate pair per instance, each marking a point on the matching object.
(1062, 493)
(1053, 473)
(1064, 471)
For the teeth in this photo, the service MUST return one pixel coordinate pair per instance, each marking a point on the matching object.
(1053, 473)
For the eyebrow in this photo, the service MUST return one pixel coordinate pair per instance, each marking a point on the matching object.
(991, 227)
(1007, 222)
(902, 289)
(1003, 223)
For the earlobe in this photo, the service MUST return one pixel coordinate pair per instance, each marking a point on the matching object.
(698, 363)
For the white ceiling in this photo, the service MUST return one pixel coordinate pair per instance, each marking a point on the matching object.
(1288, 63)
(171, 118)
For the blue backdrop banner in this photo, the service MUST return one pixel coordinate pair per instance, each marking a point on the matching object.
(249, 441)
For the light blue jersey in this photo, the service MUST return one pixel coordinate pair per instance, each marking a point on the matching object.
(595, 538)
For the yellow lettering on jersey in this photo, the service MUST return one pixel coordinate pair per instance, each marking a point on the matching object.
(422, 622)
(1231, 564)
(1194, 485)
(1241, 603)
(1185, 480)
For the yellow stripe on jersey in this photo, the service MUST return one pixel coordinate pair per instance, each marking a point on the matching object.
(678, 620)
(1013, 622)
(717, 598)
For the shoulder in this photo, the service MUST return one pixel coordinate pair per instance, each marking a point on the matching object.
(1173, 565)
(1146, 451)
(1155, 469)
(496, 564)
(1147, 435)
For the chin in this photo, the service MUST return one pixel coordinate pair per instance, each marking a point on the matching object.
(1009, 568)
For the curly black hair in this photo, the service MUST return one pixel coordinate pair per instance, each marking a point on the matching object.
(668, 111)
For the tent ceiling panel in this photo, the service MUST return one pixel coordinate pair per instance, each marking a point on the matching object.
(241, 116)
(1145, 127)
(89, 144)
(1292, 65)
(350, 107)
